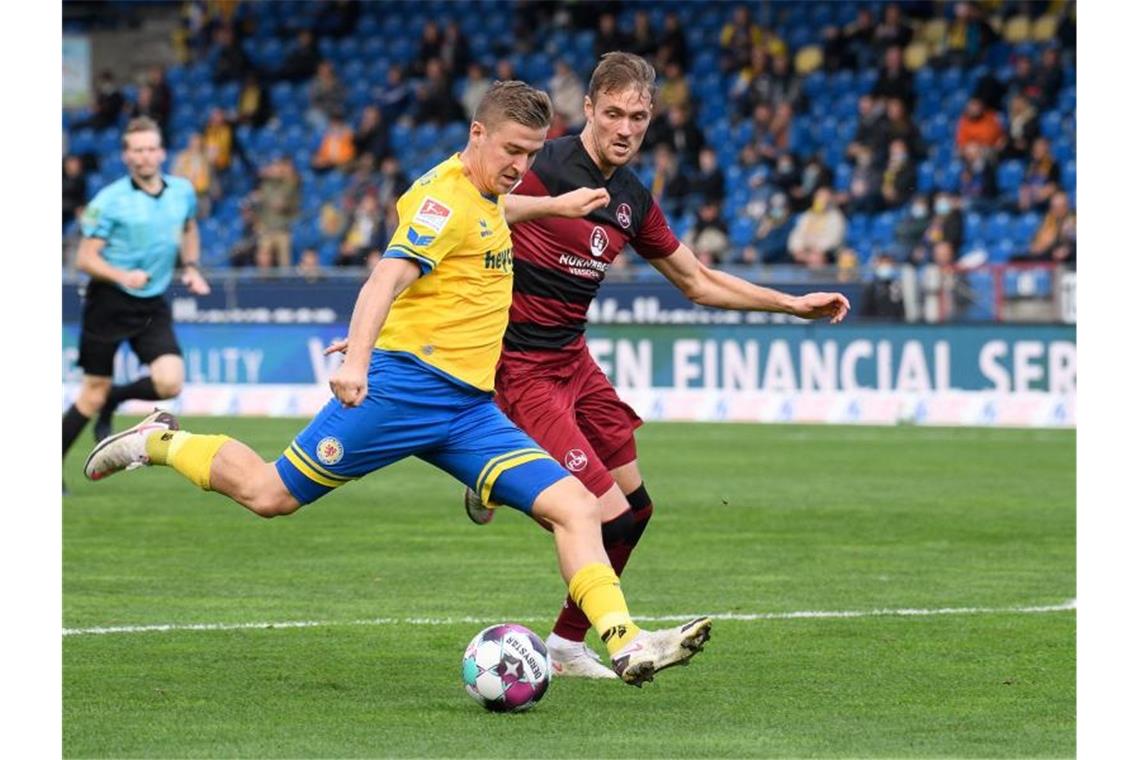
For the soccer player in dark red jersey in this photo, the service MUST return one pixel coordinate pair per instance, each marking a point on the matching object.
(547, 382)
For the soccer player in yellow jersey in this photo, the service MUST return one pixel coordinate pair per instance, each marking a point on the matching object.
(418, 379)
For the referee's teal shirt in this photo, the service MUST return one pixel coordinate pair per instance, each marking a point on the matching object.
(142, 231)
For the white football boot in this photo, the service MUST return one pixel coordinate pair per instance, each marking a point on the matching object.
(573, 659)
(126, 450)
(653, 651)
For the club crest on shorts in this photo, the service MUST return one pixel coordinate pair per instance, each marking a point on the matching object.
(624, 215)
(599, 241)
(576, 460)
(330, 450)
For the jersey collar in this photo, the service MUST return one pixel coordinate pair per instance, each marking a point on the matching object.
(139, 187)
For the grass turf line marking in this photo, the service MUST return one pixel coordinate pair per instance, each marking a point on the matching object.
(800, 615)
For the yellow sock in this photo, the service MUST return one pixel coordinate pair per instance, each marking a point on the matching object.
(597, 592)
(187, 453)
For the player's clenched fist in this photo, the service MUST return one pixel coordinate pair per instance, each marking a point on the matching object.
(582, 201)
(349, 385)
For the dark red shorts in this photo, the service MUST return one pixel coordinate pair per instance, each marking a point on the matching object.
(572, 411)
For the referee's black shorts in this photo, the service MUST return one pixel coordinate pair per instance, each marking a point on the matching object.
(111, 316)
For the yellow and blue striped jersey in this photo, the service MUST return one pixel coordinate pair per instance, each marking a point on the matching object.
(453, 317)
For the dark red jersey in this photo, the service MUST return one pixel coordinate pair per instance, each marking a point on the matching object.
(560, 263)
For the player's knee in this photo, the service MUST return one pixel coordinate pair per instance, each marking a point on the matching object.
(167, 387)
(270, 505)
(93, 395)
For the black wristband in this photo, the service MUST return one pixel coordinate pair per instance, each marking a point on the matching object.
(191, 265)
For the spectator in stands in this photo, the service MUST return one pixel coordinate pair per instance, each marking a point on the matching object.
(674, 90)
(945, 228)
(771, 241)
(301, 62)
(1024, 81)
(867, 129)
(1041, 180)
(892, 31)
(1023, 128)
(910, 228)
(818, 233)
(276, 203)
(708, 182)
(371, 134)
(608, 37)
(740, 35)
(779, 130)
(363, 182)
(668, 184)
(338, 17)
(977, 184)
(672, 45)
(477, 85)
(109, 104)
(337, 149)
(814, 175)
(218, 138)
(434, 101)
(741, 91)
(243, 252)
(894, 81)
(327, 95)
(567, 94)
(862, 197)
(144, 105)
(228, 61)
(850, 46)
(1056, 237)
(779, 84)
(161, 96)
(642, 40)
(396, 96)
(708, 238)
(431, 42)
(979, 125)
(392, 183)
(74, 188)
(882, 296)
(365, 233)
(254, 106)
(505, 70)
(1050, 77)
(968, 36)
(680, 133)
(898, 126)
(309, 265)
(454, 51)
(900, 178)
(193, 163)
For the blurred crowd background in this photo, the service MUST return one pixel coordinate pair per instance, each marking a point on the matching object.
(906, 145)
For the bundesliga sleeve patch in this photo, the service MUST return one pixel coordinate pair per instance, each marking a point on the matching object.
(432, 214)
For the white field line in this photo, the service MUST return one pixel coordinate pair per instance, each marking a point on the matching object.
(803, 614)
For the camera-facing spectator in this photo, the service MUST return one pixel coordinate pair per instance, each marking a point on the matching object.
(740, 35)
(1050, 78)
(672, 46)
(674, 89)
(898, 126)
(228, 61)
(642, 40)
(193, 163)
(1041, 179)
(390, 185)
(813, 175)
(337, 149)
(365, 232)
(431, 42)
(680, 133)
(708, 182)
(371, 134)
(945, 227)
(867, 128)
(277, 202)
(771, 240)
(708, 238)
(968, 36)
(218, 139)
(1023, 128)
(327, 96)
(977, 183)
(254, 106)
(161, 96)
(911, 227)
(454, 52)
(882, 296)
(243, 252)
(567, 94)
(668, 184)
(434, 101)
(862, 196)
(477, 85)
(892, 31)
(1056, 237)
(309, 265)
(395, 96)
(779, 85)
(608, 36)
(818, 234)
(850, 46)
(979, 125)
(900, 178)
(302, 60)
(894, 81)
(109, 104)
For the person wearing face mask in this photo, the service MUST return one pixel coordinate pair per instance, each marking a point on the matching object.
(899, 178)
(911, 227)
(772, 235)
(815, 175)
(818, 233)
(945, 226)
(882, 296)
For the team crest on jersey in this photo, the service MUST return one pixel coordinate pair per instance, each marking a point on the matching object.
(624, 215)
(432, 214)
(599, 242)
(576, 460)
(330, 450)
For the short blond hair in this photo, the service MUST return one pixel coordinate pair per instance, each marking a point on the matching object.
(514, 101)
(618, 71)
(141, 124)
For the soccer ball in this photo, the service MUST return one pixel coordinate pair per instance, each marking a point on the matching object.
(506, 668)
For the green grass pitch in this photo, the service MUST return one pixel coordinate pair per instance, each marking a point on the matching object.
(749, 520)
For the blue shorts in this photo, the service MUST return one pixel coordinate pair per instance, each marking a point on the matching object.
(414, 410)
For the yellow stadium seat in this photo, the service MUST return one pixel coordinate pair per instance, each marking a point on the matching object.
(934, 32)
(1045, 28)
(915, 55)
(808, 59)
(1017, 29)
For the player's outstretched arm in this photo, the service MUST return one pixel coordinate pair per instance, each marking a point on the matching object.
(709, 287)
(389, 279)
(89, 260)
(576, 203)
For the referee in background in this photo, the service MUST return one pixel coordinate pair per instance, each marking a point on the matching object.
(133, 232)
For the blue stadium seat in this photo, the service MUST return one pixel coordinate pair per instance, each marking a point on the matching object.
(926, 177)
(741, 231)
(743, 133)
(1067, 101)
(924, 80)
(981, 304)
(973, 226)
(1009, 176)
(1051, 125)
(815, 84)
(997, 228)
(882, 231)
(843, 176)
(1069, 179)
(841, 83)
(1064, 150)
(1024, 228)
(937, 129)
(951, 80)
(82, 141)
